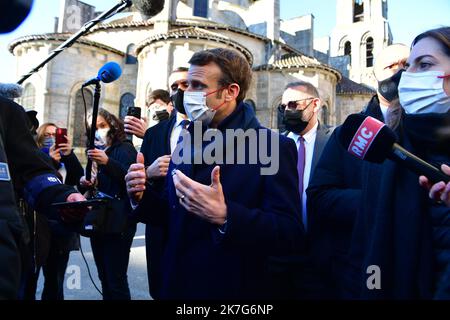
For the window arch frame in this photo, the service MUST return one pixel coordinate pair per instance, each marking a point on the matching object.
(28, 100)
(130, 58)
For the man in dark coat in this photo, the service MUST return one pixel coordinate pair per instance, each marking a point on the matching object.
(158, 144)
(293, 276)
(22, 162)
(334, 193)
(223, 222)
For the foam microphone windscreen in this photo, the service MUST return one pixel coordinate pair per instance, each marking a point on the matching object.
(149, 8)
(10, 90)
(367, 138)
(110, 72)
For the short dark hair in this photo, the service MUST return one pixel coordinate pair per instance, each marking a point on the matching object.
(235, 68)
(160, 94)
(180, 69)
(309, 88)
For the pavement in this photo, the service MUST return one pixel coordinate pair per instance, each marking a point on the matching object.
(77, 284)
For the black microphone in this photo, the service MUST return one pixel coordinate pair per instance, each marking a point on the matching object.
(149, 8)
(370, 139)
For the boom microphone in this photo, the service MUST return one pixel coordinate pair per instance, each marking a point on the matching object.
(370, 139)
(110, 72)
(149, 8)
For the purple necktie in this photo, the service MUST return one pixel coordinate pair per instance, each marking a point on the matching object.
(301, 164)
(184, 124)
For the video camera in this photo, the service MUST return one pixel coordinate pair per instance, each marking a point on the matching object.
(104, 215)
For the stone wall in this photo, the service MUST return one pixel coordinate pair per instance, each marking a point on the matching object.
(348, 104)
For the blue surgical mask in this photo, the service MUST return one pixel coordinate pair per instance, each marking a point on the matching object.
(48, 142)
(423, 92)
(196, 109)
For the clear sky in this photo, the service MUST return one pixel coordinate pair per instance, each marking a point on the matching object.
(406, 17)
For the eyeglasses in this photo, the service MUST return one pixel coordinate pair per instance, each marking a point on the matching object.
(292, 105)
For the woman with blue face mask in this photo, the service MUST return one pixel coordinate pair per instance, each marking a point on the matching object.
(52, 251)
(401, 239)
(112, 156)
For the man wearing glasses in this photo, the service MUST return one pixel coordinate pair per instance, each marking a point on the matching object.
(300, 106)
(293, 275)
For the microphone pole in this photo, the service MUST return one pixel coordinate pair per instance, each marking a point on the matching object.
(93, 126)
(69, 42)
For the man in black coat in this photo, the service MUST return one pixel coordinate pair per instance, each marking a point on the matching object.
(293, 276)
(334, 193)
(22, 162)
(158, 144)
(223, 222)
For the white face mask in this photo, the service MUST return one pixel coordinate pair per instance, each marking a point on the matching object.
(101, 139)
(196, 108)
(423, 92)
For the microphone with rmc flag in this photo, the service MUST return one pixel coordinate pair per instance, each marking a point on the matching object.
(370, 139)
(110, 72)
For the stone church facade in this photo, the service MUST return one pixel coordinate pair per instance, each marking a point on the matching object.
(149, 49)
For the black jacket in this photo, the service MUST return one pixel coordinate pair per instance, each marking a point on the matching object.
(295, 276)
(399, 229)
(334, 198)
(29, 170)
(156, 143)
(74, 169)
(111, 181)
(263, 220)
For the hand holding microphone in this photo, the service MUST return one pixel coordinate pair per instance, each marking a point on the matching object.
(439, 191)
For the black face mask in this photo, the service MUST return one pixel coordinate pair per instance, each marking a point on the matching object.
(161, 115)
(178, 101)
(388, 88)
(293, 121)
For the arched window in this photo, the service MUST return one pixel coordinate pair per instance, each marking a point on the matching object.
(28, 97)
(201, 8)
(130, 58)
(369, 52)
(358, 10)
(348, 50)
(127, 100)
(79, 128)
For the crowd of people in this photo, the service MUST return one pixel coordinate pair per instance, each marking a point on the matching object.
(325, 225)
